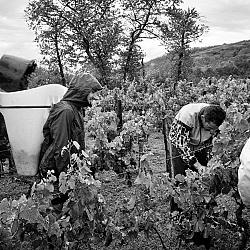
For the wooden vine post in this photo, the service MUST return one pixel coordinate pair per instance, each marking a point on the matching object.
(119, 110)
(165, 132)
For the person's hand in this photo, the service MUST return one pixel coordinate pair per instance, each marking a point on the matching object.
(199, 167)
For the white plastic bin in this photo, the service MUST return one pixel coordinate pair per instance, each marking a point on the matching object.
(25, 113)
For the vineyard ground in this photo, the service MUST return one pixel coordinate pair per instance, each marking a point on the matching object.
(14, 186)
(113, 189)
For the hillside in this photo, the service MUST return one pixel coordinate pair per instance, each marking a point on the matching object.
(220, 60)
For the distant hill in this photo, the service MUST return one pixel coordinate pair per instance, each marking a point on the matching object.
(219, 61)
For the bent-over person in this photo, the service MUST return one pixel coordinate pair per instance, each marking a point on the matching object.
(191, 134)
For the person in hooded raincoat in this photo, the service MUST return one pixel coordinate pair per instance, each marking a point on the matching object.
(65, 123)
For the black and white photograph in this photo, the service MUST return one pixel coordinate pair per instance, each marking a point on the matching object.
(124, 125)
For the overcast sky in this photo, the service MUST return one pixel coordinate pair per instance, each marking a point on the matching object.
(228, 21)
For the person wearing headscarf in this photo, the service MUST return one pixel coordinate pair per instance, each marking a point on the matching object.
(191, 134)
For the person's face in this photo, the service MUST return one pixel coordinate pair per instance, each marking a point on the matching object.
(92, 97)
(209, 126)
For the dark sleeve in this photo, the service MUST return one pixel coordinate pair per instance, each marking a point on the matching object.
(179, 136)
(61, 129)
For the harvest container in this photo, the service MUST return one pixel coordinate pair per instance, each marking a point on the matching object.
(25, 113)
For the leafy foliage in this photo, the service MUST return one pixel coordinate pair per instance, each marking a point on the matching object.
(183, 27)
(77, 33)
(208, 204)
(201, 198)
(56, 217)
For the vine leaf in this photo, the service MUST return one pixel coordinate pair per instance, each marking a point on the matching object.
(14, 226)
(207, 199)
(63, 183)
(4, 205)
(131, 203)
(76, 144)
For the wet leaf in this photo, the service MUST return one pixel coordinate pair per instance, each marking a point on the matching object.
(131, 203)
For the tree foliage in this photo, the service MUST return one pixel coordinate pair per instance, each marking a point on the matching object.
(104, 36)
(182, 28)
(84, 29)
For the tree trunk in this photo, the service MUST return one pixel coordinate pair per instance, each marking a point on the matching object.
(119, 110)
(179, 67)
(128, 59)
(180, 60)
(143, 68)
(59, 60)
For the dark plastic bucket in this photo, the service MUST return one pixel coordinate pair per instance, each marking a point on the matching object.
(14, 72)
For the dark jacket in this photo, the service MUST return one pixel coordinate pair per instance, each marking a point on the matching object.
(65, 123)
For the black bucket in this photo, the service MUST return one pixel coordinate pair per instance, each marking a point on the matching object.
(14, 72)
